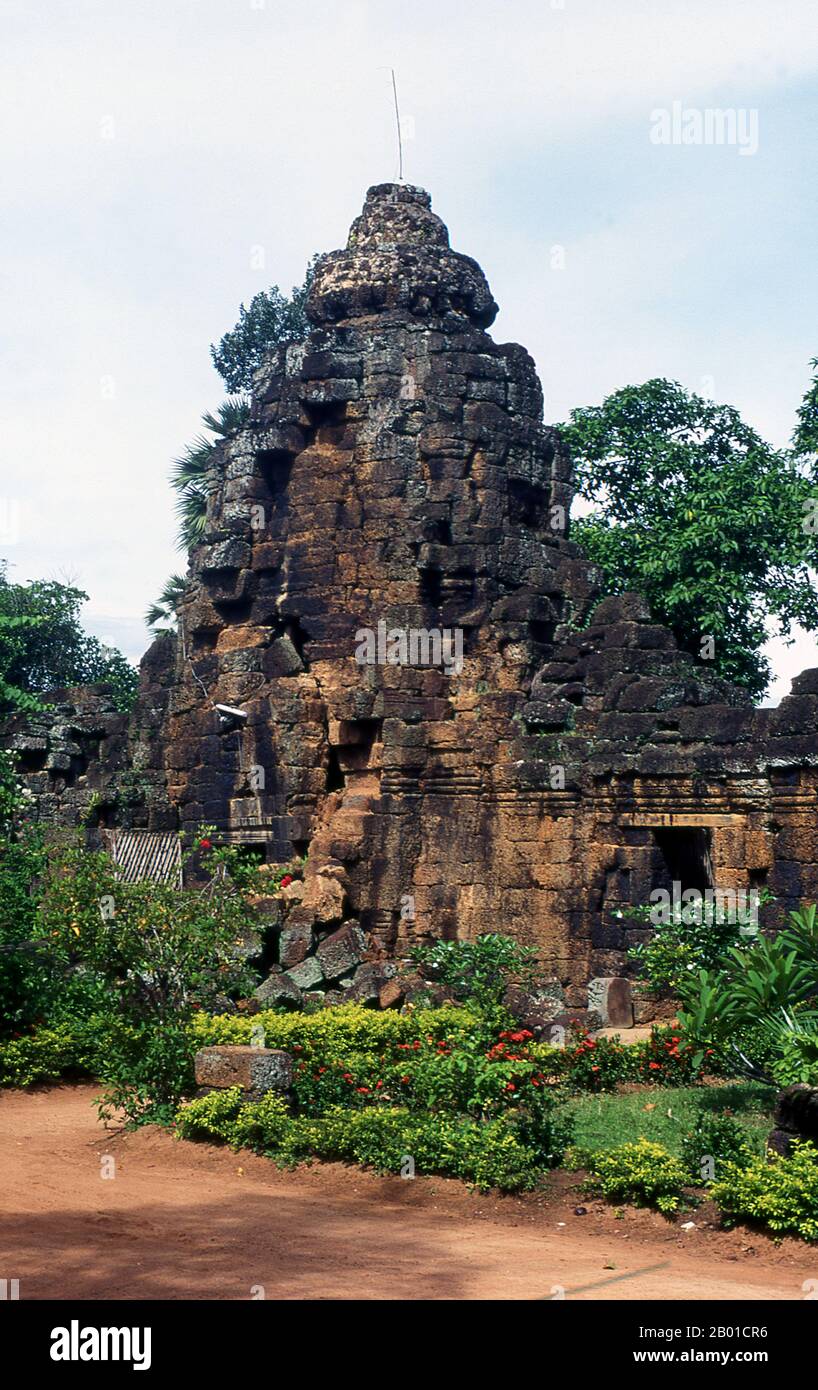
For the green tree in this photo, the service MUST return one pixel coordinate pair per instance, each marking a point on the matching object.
(163, 952)
(272, 318)
(693, 509)
(805, 438)
(43, 646)
(26, 976)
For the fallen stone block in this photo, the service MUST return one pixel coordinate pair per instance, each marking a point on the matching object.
(278, 989)
(306, 975)
(342, 951)
(795, 1118)
(256, 1069)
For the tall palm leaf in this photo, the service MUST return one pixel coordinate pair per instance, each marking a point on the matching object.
(190, 473)
(161, 616)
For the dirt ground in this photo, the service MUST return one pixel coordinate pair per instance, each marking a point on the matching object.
(190, 1221)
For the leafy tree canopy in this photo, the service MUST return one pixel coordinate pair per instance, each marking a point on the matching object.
(805, 439)
(272, 318)
(43, 646)
(693, 509)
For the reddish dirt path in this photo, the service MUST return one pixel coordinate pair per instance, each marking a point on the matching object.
(187, 1221)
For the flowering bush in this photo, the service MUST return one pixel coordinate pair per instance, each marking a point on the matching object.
(692, 938)
(598, 1064)
(437, 1063)
(477, 972)
(664, 1059)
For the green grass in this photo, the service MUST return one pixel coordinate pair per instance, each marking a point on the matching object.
(605, 1121)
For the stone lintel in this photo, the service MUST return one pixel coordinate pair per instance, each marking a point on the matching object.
(672, 819)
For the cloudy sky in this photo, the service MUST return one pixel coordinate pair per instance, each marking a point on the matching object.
(163, 160)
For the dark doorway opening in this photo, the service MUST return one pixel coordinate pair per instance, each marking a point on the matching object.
(684, 857)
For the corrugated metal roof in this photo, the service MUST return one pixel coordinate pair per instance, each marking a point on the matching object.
(141, 854)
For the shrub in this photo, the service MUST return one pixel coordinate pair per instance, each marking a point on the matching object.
(438, 1060)
(797, 1058)
(161, 953)
(642, 1173)
(778, 1193)
(755, 1013)
(26, 982)
(715, 1141)
(68, 1045)
(694, 937)
(598, 1064)
(387, 1139)
(40, 1056)
(665, 1059)
(477, 971)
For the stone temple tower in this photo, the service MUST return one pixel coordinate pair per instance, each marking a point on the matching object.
(392, 659)
(395, 479)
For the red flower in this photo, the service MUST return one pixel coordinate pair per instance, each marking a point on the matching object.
(510, 1086)
(362, 1090)
(286, 879)
(205, 844)
(405, 1080)
(655, 1066)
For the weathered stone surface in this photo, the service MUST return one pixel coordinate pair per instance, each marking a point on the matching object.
(391, 994)
(295, 944)
(258, 1069)
(323, 899)
(552, 761)
(536, 1008)
(279, 989)
(306, 975)
(342, 951)
(611, 997)
(795, 1118)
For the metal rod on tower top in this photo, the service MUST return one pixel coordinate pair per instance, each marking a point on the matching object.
(397, 122)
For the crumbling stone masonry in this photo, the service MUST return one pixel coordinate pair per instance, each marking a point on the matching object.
(395, 471)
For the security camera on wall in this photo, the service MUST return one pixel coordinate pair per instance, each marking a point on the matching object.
(230, 717)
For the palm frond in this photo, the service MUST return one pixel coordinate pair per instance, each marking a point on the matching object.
(193, 464)
(231, 416)
(163, 610)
